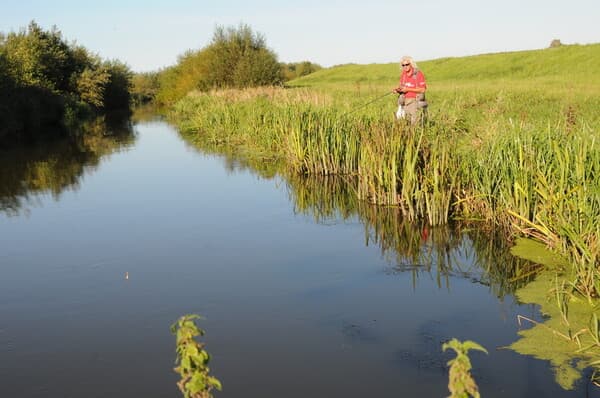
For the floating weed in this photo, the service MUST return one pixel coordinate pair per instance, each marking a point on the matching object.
(568, 337)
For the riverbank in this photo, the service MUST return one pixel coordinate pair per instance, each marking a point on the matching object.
(515, 154)
(526, 168)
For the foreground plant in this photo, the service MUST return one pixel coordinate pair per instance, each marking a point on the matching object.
(568, 335)
(461, 383)
(192, 360)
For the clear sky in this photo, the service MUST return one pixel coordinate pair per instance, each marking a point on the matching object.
(150, 34)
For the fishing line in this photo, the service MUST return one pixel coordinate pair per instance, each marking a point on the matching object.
(368, 103)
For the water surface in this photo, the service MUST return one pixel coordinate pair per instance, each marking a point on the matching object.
(304, 293)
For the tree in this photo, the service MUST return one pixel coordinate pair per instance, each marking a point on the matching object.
(90, 85)
(555, 43)
(236, 57)
(5, 78)
(144, 87)
(295, 70)
(48, 83)
(44, 60)
(117, 90)
(178, 80)
(89, 79)
(39, 58)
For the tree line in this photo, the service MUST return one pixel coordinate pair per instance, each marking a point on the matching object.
(236, 57)
(47, 84)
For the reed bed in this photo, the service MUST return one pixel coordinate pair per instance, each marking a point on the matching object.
(528, 168)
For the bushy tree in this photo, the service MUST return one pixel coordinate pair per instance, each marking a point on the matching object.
(5, 78)
(47, 82)
(90, 84)
(117, 90)
(144, 87)
(236, 57)
(39, 58)
(6, 90)
(294, 70)
(43, 59)
(90, 78)
(25, 108)
(257, 68)
(187, 75)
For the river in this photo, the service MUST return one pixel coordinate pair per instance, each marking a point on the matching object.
(104, 244)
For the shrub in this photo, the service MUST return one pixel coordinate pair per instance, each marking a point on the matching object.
(235, 58)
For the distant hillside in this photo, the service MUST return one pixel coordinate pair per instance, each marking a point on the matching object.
(579, 62)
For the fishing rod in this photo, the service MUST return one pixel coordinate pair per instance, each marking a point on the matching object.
(368, 103)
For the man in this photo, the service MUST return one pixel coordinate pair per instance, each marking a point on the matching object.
(411, 88)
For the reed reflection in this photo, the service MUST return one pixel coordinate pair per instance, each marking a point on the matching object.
(457, 250)
(467, 250)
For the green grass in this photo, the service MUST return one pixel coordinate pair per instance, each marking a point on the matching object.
(569, 66)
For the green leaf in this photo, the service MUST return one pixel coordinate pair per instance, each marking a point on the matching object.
(471, 345)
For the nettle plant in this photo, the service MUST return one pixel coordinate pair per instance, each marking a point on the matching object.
(192, 360)
(461, 383)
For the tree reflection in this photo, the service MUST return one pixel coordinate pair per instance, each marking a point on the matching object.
(51, 167)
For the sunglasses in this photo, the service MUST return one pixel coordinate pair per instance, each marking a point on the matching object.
(405, 64)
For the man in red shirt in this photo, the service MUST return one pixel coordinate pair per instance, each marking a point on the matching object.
(411, 88)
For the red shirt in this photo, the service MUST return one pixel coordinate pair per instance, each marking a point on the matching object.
(412, 80)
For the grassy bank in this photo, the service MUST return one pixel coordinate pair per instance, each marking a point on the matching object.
(512, 141)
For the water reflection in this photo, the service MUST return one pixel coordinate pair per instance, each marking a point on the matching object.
(472, 251)
(458, 249)
(147, 113)
(306, 299)
(444, 255)
(51, 167)
(263, 165)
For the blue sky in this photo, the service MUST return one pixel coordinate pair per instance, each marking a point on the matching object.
(150, 34)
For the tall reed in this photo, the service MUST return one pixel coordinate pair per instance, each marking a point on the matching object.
(489, 155)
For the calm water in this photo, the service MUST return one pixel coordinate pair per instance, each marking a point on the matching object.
(301, 298)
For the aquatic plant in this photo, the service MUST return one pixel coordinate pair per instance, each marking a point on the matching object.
(568, 336)
(192, 360)
(461, 383)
